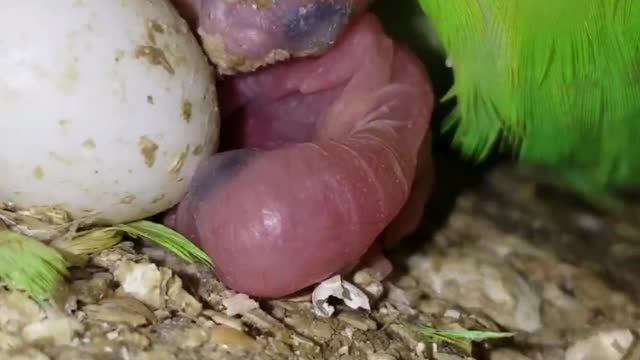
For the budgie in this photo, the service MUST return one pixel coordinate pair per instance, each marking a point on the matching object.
(557, 83)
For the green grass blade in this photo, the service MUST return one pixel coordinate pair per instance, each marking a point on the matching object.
(88, 242)
(76, 248)
(474, 335)
(461, 339)
(167, 238)
(30, 265)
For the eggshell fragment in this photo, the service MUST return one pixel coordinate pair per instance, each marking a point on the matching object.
(340, 289)
(106, 107)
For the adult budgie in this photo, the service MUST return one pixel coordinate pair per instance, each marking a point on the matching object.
(558, 82)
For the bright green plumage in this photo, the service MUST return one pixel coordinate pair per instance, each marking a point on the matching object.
(557, 81)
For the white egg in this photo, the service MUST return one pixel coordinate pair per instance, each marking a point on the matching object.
(106, 106)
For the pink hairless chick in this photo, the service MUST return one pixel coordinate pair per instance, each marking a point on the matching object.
(326, 143)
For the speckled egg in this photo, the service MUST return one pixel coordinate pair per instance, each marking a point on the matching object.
(106, 107)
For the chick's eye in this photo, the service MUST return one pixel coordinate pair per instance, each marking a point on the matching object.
(315, 26)
(241, 37)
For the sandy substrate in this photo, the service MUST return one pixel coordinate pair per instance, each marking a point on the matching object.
(503, 258)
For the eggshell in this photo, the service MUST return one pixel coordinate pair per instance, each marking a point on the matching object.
(106, 107)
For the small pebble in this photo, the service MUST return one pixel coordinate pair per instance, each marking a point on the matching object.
(230, 338)
(357, 320)
(452, 313)
(222, 319)
(380, 356)
(239, 304)
(60, 331)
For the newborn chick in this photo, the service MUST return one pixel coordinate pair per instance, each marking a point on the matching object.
(322, 152)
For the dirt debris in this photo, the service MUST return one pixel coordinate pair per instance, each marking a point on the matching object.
(505, 259)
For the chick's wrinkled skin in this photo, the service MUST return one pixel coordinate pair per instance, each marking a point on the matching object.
(321, 153)
(244, 35)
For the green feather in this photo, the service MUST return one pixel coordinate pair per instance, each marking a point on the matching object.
(166, 237)
(557, 82)
(39, 269)
(30, 265)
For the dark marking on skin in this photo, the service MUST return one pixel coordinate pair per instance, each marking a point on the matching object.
(211, 175)
(315, 26)
(217, 171)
